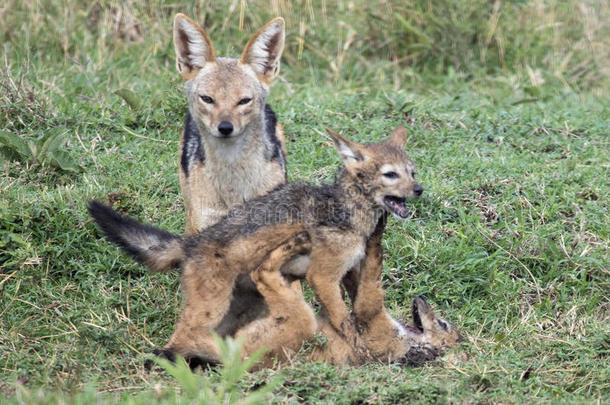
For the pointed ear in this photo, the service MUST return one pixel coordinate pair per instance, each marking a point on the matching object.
(398, 137)
(423, 313)
(264, 50)
(193, 47)
(350, 151)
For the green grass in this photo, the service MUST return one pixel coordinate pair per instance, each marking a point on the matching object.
(510, 240)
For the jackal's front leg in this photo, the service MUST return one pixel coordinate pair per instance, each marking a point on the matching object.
(202, 206)
(369, 298)
(324, 277)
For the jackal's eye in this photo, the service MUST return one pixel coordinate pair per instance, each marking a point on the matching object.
(413, 174)
(244, 101)
(391, 175)
(207, 99)
(442, 325)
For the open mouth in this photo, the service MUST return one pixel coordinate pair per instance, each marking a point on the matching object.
(412, 329)
(397, 206)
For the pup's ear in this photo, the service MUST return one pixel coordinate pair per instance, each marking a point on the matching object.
(351, 152)
(423, 313)
(398, 137)
(264, 50)
(193, 47)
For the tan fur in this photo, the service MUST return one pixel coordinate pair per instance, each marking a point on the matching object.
(207, 294)
(208, 280)
(224, 171)
(384, 339)
(211, 190)
(238, 167)
(339, 217)
(342, 252)
(289, 321)
(279, 132)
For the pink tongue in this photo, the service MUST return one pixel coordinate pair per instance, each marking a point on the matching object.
(412, 328)
(399, 208)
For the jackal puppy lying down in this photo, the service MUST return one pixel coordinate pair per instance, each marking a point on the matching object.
(232, 148)
(290, 319)
(339, 218)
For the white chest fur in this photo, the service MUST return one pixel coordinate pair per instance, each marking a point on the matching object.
(237, 171)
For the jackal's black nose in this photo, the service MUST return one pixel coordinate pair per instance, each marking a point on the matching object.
(225, 128)
(418, 190)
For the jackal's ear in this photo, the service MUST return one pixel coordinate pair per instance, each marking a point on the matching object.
(193, 47)
(423, 315)
(264, 50)
(398, 137)
(350, 152)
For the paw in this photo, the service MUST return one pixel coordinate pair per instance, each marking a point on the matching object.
(348, 328)
(296, 245)
(197, 361)
(259, 277)
(167, 354)
(351, 333)
(192, 361)
(267, 279)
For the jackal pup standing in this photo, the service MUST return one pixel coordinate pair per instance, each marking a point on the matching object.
(339, 218)
(232, 148)
(290, 320)
(385, 339)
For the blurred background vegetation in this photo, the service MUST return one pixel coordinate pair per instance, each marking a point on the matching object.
(359, 41)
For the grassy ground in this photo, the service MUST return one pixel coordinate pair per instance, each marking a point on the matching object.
(510, 240)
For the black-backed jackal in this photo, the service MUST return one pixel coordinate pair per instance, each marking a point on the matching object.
(290, 320)
(232, 148)
(339, 218)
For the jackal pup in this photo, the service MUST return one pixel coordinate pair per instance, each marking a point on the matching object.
(232, 148)
(290, 319)
(385, 339)
(339, 217)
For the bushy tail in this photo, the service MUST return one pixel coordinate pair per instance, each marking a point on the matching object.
(156, 248)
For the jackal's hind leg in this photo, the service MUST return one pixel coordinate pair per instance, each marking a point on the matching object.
(207, 289)
(267, 276)
(290, 320)
(247, 252)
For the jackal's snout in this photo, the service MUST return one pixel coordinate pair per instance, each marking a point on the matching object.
(418, 190)
(225, 128)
